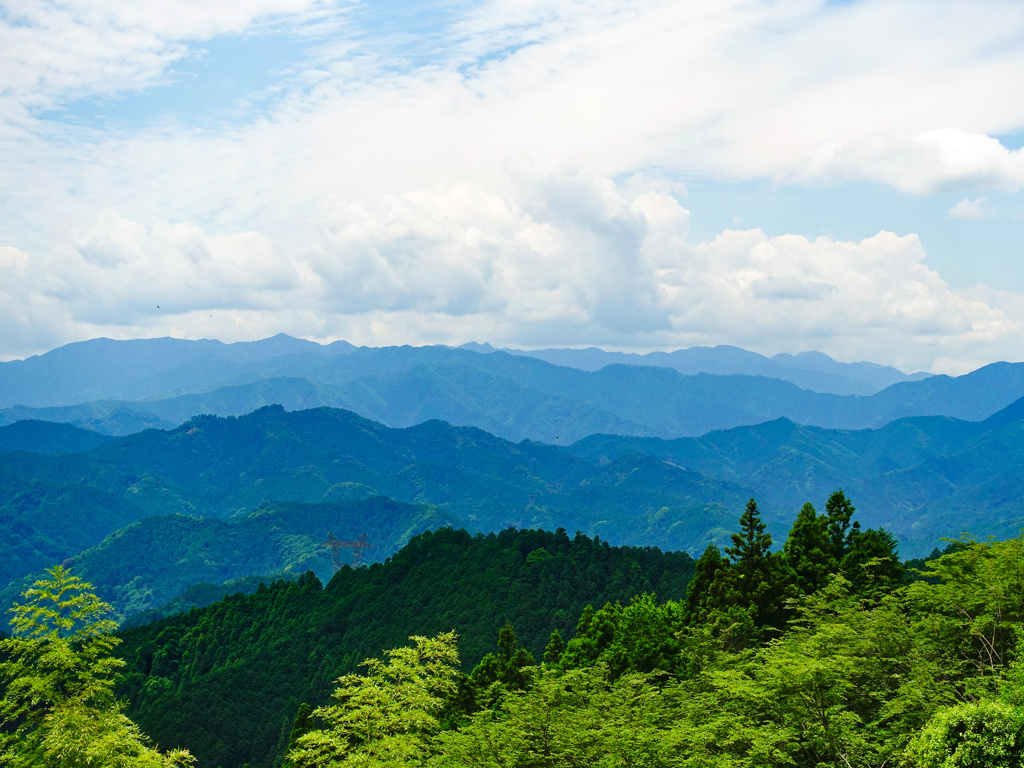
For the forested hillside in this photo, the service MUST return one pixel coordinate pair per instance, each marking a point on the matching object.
(822, 654)
(143, 566)
(55, 507)
(825, 651)
(226, 681)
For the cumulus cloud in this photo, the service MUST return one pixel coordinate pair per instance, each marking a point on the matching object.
(561, 249)
(555, 257)
(122, 272)
(386, 198)
(933, 161)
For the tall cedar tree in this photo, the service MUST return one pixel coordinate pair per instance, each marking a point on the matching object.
(704, 592)
(872, 564)
(838, 512)
(757, 576)
(809, 551)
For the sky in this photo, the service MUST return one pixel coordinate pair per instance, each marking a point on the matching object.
(841, 176)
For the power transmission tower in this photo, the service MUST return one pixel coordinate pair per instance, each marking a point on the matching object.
(357, 547)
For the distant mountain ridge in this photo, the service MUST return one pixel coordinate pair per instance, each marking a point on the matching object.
(814, 371)
(519, 397)
(145, 369)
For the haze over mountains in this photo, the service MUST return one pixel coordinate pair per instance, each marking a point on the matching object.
(216, 499)
(659, 454)
(105, 369)
(118, 388)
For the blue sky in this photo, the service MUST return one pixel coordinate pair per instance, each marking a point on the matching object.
(635, 175)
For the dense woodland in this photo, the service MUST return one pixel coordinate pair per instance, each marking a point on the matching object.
(541, 649)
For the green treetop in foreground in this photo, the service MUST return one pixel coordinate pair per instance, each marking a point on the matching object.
(921, 675)
(57, 675)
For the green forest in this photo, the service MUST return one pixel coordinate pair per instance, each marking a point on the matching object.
(532, 648)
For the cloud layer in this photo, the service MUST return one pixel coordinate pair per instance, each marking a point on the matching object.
(505, 175)
(563, 258)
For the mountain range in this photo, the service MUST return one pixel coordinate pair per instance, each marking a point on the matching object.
(143, 385)
(217, 498)
(58, 507)
(140, 369)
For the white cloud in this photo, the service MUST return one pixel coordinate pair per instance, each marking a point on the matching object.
(933, 161)
(123, 273)
(556, 257)
(393, 200)
(52, 52)
(978, 208)
(723, 89)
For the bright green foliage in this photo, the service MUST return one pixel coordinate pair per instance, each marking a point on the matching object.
(973, 613)
(58, 707)
(555, 648)
(389, 716)
(988, 734)
(868, 671)
(818, 694)
(259, 656)
(576, 718)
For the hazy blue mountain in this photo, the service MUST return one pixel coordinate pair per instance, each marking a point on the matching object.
(105, 369)
(815, 371)
(48, 437)
(141, 369)
(921, 478)
(108, 417)
(519, 397)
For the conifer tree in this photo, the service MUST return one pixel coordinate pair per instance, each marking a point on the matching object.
(872, 563)
(510, 667)
(555, 649)
(303, 725)
(704, 592)
(838, 513)
(808, 551)
(756, 576)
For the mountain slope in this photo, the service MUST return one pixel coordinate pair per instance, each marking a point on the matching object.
(921, 477)
(146, 564)
(53, 507)
(47, 437)
(259, 656)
